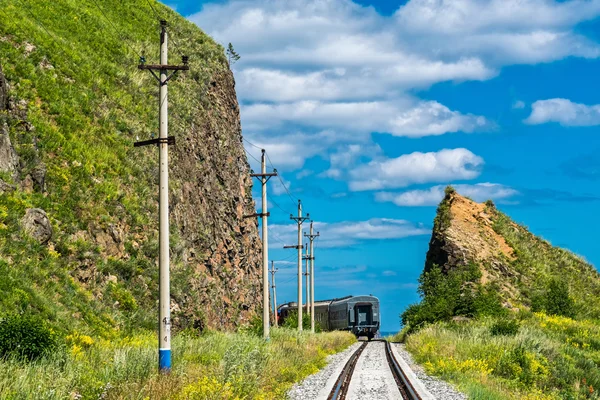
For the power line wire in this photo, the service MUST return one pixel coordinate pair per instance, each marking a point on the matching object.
(278, 206)
(250, 154)
(287, 258)
(123, 39)
(177, 49)
(252, 144)
(289, 193)
(54, 39)
(154, 10)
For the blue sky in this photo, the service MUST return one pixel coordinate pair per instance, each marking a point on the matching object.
(368, 109)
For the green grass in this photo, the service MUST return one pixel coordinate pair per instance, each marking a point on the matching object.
(539, 266)
(549, 357)
(241, 366)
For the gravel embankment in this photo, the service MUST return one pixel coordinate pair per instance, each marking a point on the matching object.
(372, 377)
(440, 389)
(318, 386)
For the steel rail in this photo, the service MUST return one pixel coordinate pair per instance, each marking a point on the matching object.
(340, 389)
(406, 388)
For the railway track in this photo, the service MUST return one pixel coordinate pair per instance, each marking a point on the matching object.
(406, 388)
(340, 389)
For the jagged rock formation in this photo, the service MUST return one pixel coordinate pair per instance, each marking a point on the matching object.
(67, 129)
(507, 255)
(463, 234)
(221, 246)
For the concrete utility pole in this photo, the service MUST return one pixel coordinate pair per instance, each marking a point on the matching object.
(312, 237)
(274, 287)
(299, 220)
(163, 142)
(264, 178)
(307, 277)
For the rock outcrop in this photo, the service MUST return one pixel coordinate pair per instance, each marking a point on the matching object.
(36, 223)
(518, 264)
(9, 160)
(209, 206)
(463, 234)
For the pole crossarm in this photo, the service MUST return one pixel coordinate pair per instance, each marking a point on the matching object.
(300, 220)
(267, 214)
(160, 67)
(294, 247)
(268, 174)
(168, 140)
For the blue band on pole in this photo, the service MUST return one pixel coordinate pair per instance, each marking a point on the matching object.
(164, 359)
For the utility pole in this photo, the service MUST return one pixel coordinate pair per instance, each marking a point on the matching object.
(299, 220)
(163, 142)
(264, 178)
(312, 237)
(273, 270)
(307, 277)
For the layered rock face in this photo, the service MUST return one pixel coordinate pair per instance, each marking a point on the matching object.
(211, 196)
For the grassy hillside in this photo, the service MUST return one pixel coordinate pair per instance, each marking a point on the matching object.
(504, 314)
(77, 104)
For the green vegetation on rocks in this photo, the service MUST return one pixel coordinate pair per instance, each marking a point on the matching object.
(71, 106)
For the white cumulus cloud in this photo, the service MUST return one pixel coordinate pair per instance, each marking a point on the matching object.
(400, 118)
(341, 234)
(417, 167)
(432, 196)
(336, 65)
(565, 112)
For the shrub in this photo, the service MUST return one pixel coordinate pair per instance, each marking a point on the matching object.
(120, 294)
(558, 299)
(25, 337)
(457, 292)
(291, 321)
(255, 326)
(505, 327)
(487, 301)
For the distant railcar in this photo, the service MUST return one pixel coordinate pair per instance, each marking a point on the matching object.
(357, 314)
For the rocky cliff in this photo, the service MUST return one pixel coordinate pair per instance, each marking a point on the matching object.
(479, 261)
(78, 204)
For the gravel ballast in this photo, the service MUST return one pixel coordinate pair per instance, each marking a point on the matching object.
(372, 377)
(317, 386)
(438, 388)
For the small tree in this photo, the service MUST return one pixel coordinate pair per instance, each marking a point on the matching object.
(558, 299)
(232, 55)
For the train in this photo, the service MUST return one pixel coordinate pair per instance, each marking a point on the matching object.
(357, 314)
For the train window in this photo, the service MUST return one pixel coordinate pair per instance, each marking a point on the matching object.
(364, 315)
